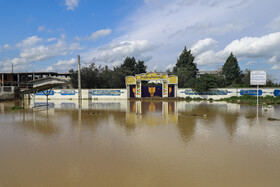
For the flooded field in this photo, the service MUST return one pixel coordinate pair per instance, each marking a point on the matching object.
(134, 143)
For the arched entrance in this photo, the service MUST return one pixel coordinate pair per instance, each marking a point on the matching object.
(151, 85)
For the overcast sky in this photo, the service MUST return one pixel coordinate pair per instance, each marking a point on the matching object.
(47, 35)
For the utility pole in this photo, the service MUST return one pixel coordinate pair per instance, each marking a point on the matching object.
(12, 74)
(79, 79)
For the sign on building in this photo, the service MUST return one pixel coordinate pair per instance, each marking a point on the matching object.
(258, 78)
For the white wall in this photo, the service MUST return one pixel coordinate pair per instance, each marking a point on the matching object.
(94, 94)
(227, 92)
(116, 94)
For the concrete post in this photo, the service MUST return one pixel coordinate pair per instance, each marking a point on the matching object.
(79, 79)
(138, 90)
(128, 91)
(18, 79)
(3, 79)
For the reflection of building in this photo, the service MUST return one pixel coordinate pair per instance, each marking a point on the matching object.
(152, 85)
(151, 112)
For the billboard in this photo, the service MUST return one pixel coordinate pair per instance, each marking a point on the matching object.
(258, 78)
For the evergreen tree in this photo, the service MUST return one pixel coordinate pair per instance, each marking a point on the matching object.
(129, 65)
(141, 67)
(103, 77)
(206, 82)
(185, 68)
(132, 67)
(231, 71)
(246, 78)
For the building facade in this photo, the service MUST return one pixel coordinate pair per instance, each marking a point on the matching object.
(24, 79)
(152, 85)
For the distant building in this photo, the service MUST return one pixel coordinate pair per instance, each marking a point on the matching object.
(24, 79)
(208, 72)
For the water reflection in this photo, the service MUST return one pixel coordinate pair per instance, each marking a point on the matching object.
(148, 143)
(130, 115)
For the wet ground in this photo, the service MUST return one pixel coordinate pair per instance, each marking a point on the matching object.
(139, 143)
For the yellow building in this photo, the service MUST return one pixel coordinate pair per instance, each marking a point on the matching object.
(152, 85)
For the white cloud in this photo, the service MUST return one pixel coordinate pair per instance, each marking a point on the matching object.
(266, 46)
(30, 52)
(29, 42)
(275, 23)
(42, 28)
(51, 39)
(62, 65)
(203, 45)
(275, 67)
(6, 46)
(250, 63)
(117, 52)
(255, 47)
(48, 69)
(95, 35)
(170, 66)
(100, 33)
(71, 4)
(171, 25)
(275, 59)
(66, 62)
(208, 57)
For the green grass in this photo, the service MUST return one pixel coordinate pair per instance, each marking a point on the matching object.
(17, 108)
(245, 100)
(194, 99)
(252, 100)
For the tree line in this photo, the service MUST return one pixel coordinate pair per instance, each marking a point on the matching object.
(93, 76)
(230, 75)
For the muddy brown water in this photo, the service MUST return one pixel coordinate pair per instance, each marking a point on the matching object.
(139, 143)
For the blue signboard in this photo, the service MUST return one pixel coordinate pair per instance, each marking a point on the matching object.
(250, 92)
(210, 92)
(41, 93)
(106, 92)
(68, 92)
(276, 93)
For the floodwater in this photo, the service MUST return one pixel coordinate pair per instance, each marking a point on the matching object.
(139, 143)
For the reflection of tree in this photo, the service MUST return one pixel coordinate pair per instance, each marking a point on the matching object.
(186, 127)
(90, 119)
(39, 123)
(230, 122)
(214, 111)
(121, 119)
(187, 120)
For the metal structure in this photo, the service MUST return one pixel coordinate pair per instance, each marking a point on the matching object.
(44, 85)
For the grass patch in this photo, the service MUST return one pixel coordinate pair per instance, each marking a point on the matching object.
(17, 108)
(194, 99)
(252, 100)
